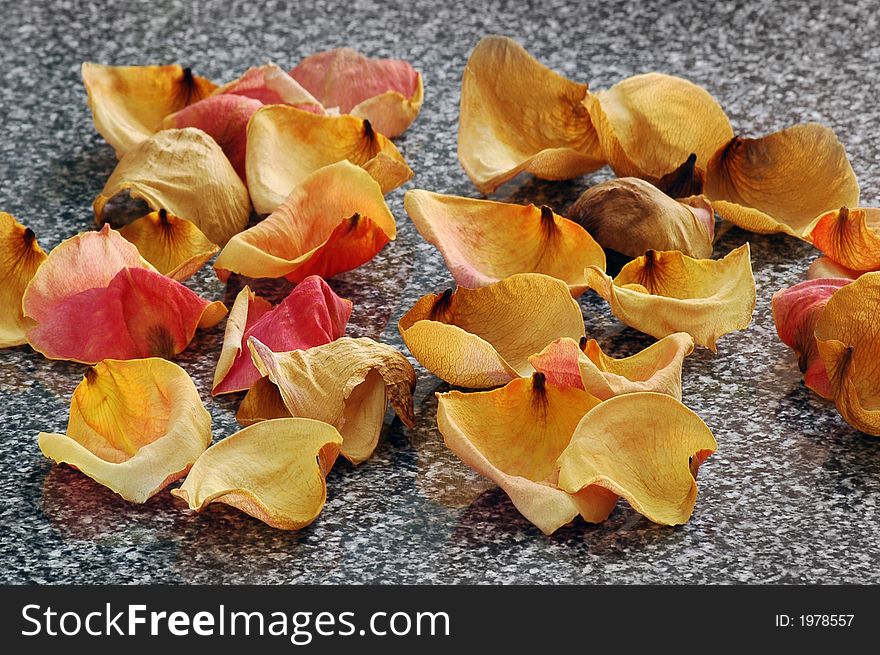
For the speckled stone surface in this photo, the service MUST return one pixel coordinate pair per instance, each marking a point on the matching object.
(791, 496)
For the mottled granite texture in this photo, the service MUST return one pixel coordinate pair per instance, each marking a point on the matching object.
(791, 495)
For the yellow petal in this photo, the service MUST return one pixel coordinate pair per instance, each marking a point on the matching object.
(781, 182)
(484, 241)
(645, 447)
(846, 335)
(334, 220)
(514, 436)
(262, 402)
(666, 292)
(176, 247)
(518, 116)
(275, 471)
(346, 383)
(286, 145)
(649, 124)
(391, 112)
(135, 426)
(186, 173)
(247, 305)
(129, 103)
(20, 257)
(850, 237)
(481, 338)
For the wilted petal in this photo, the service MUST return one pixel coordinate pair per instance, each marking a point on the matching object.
(795, 312)
(484, 241)
(387, 92)
(135, 426)
(286, 145)
(518, 116)
(826, 267)
(311, 315)
(645, 447)
(846, 335)
(666, 292)
(334, 220)
(632, 216)
(657, 368)
(174, 246)
(20, 257)
(129, 103)
(649, 124)
(781, 182)
(514, 436)
(186, 173)
(272, 86)
(850, 237)
(346, 383)
(481, 338)
(275, 471)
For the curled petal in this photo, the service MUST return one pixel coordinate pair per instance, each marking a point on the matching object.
(129, 103)
(795, 312)
(20, 257)
(645, 447)
(481, 338)
(666, 292)
(135, 426)
(657, 368)
(826, 267)
(286, 145)
(514, 436)
(632, 216)
(649, 124)
(387, 92)
(270, 85)
(334, 220)
(846, 336)
(484, 241)
(275, 471)
(347, 383)
(781, 182)
(311, 315)
(176, 247)
(518, 116)
(850, 237)
(186, 173)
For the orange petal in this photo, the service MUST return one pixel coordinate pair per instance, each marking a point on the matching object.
(649, 124)
(825, 267)
(286, 145)
(513, 436)
(795, 312)
(275, 471)
(176, 247)
(311, 315)
(20, 257)
(334, 220)
(484, 241)
(645, 447)
(632, 216)
(846, 335)
(272, 86)
(850, 237)
(135, 427)
(262, 402)
(387, 92)
(480, 338)
(781, 182)
(346, 383)
(518, 116)
(129, 103)
(666, 292)
(657, 368)
(186, 173)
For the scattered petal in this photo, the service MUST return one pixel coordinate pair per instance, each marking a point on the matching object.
(481, 338)
(186, 173)
(20, 257)
(129, 103)
(334, 220)
(662, 293)
(645, 447)
(135, 426)
(484, 241)
(826, 267)
(275, 471)
(270, 85)
(850, 237)
(311, 315)
(518, 116)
